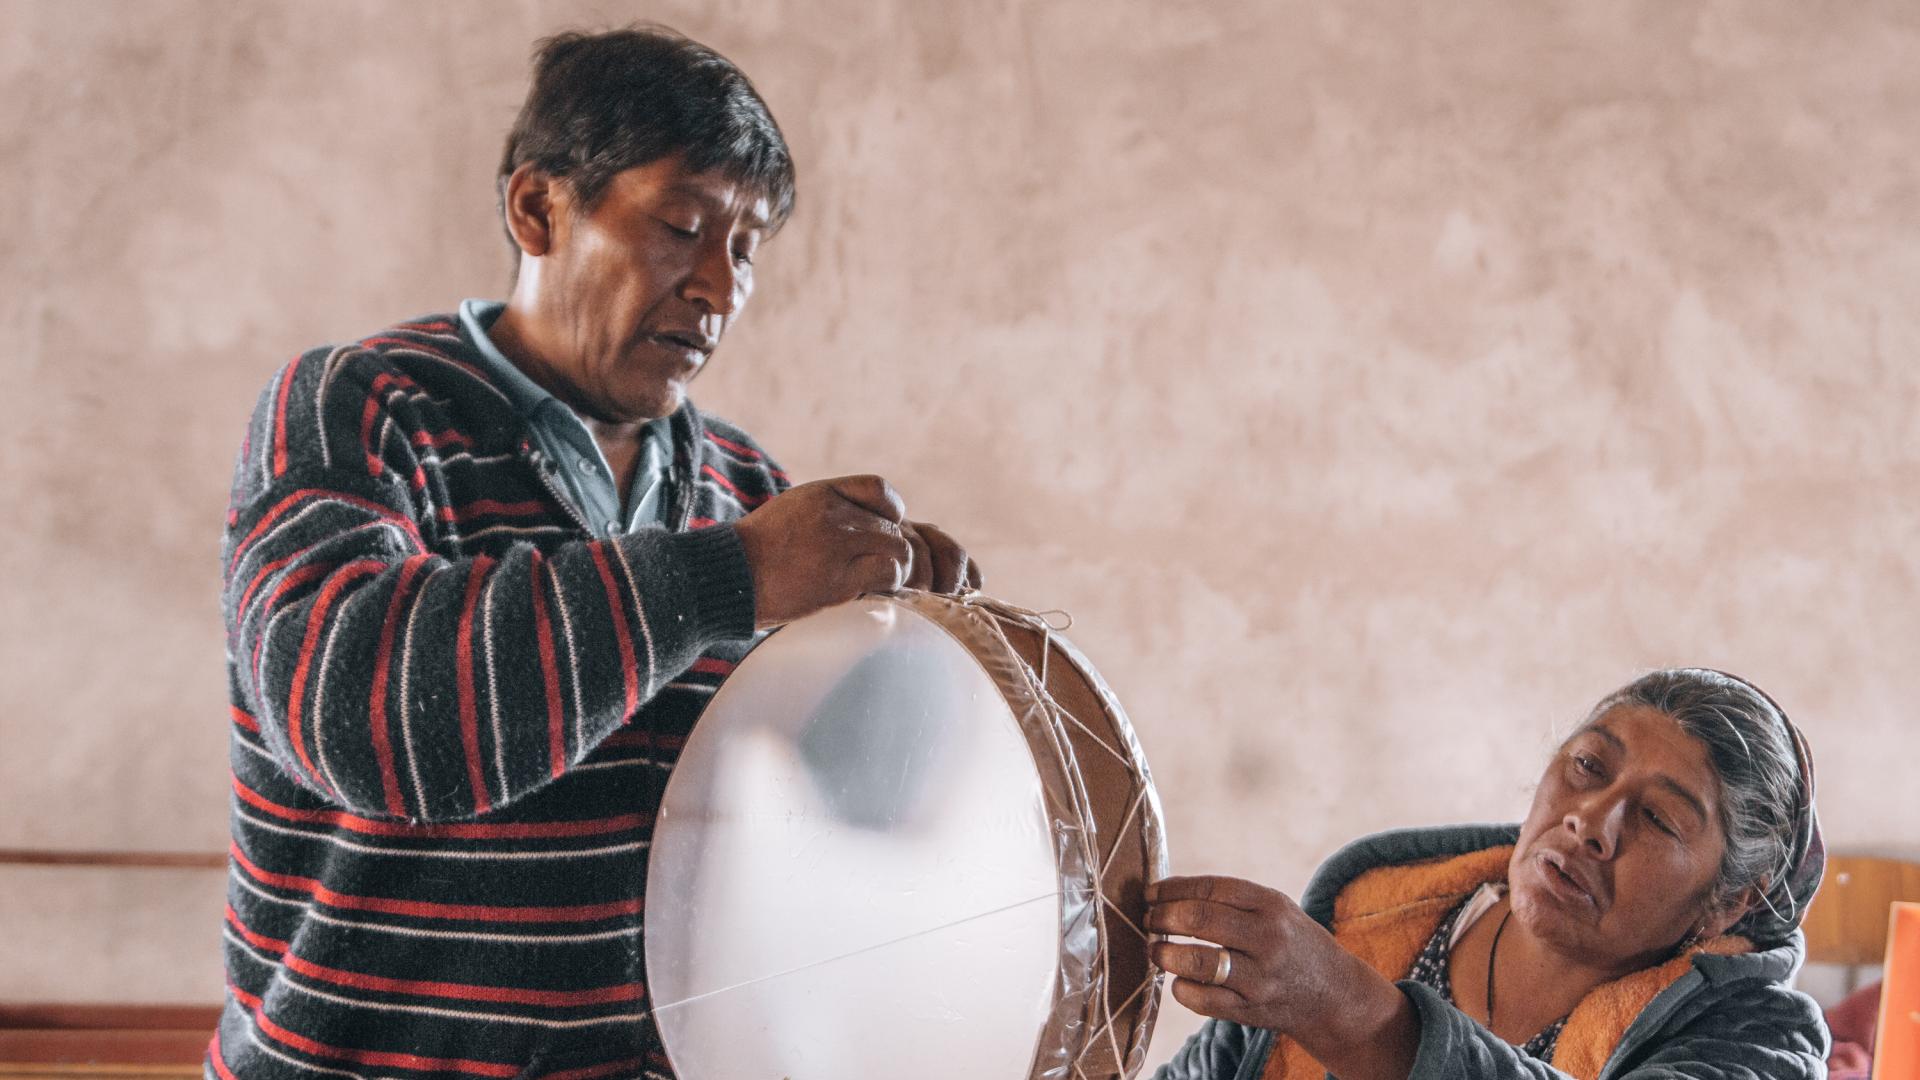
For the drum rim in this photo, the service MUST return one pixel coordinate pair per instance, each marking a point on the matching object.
(1079, 1026)
(1080, 995)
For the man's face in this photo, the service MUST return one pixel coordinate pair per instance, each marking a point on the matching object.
(642, 287)
(1619, 853)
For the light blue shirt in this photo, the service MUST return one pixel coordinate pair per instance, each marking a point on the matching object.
(564, 439)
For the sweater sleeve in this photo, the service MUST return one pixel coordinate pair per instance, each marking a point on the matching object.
(396, 681)
(1220, 1050)
(1759, 1032)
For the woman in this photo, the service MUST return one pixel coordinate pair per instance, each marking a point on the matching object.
(1641, 923)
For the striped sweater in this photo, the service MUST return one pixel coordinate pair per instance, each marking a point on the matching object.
(454, 708)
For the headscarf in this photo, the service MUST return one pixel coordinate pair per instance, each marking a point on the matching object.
(1783, 904)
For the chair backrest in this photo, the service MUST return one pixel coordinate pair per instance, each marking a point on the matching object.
(1896, 1045)
(1847, 923)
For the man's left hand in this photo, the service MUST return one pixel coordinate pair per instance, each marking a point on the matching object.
(940, 564)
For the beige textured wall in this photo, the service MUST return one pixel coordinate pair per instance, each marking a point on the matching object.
(1376, 383)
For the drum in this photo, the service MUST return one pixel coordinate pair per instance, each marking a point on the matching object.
(909, 837)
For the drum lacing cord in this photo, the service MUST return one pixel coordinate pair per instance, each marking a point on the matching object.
(1037, 682)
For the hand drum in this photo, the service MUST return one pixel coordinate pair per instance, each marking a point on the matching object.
(909, 837)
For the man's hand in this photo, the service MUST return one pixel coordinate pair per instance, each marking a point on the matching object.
(1283, 972)
(940, 564)
(828, 541)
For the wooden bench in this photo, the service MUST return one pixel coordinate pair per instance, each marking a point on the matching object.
(115, 1040)
(71, 1041)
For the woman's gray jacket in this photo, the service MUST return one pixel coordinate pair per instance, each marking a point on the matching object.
(1729, 1017)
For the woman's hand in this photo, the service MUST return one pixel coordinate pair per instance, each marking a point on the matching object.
(1280, 965)
(1281, 971)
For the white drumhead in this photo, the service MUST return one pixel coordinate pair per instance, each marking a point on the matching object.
(852, 872)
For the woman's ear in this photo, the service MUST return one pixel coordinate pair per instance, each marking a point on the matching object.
(532, 205)
(1719, 918)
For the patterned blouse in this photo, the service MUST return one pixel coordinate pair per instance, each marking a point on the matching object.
(1430, 969)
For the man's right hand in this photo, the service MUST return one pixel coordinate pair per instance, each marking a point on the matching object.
(822, 543)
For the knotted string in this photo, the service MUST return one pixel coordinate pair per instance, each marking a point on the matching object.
(1002, 613)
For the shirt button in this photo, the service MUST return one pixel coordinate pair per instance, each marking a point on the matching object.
(586, 466)
(613, 527)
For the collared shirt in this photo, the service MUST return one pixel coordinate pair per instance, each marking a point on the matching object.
(563, 437)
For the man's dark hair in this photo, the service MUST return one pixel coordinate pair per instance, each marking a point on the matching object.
(604, 103)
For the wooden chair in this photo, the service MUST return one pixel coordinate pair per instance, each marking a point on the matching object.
(1896, 1049)
(1847, 924)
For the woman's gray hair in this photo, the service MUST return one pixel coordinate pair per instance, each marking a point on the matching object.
(1765, 800)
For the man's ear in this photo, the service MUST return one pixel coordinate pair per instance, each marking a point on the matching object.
(534, 205)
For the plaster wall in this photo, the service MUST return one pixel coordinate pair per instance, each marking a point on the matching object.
(1377, 384)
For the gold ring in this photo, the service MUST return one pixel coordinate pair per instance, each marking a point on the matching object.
(1222, 967)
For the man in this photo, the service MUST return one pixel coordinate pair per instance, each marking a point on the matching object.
(483, 570)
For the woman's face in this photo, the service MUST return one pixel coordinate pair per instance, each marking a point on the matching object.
(1618, 856)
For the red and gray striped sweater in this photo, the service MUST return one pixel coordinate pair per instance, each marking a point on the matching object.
(454, 712)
